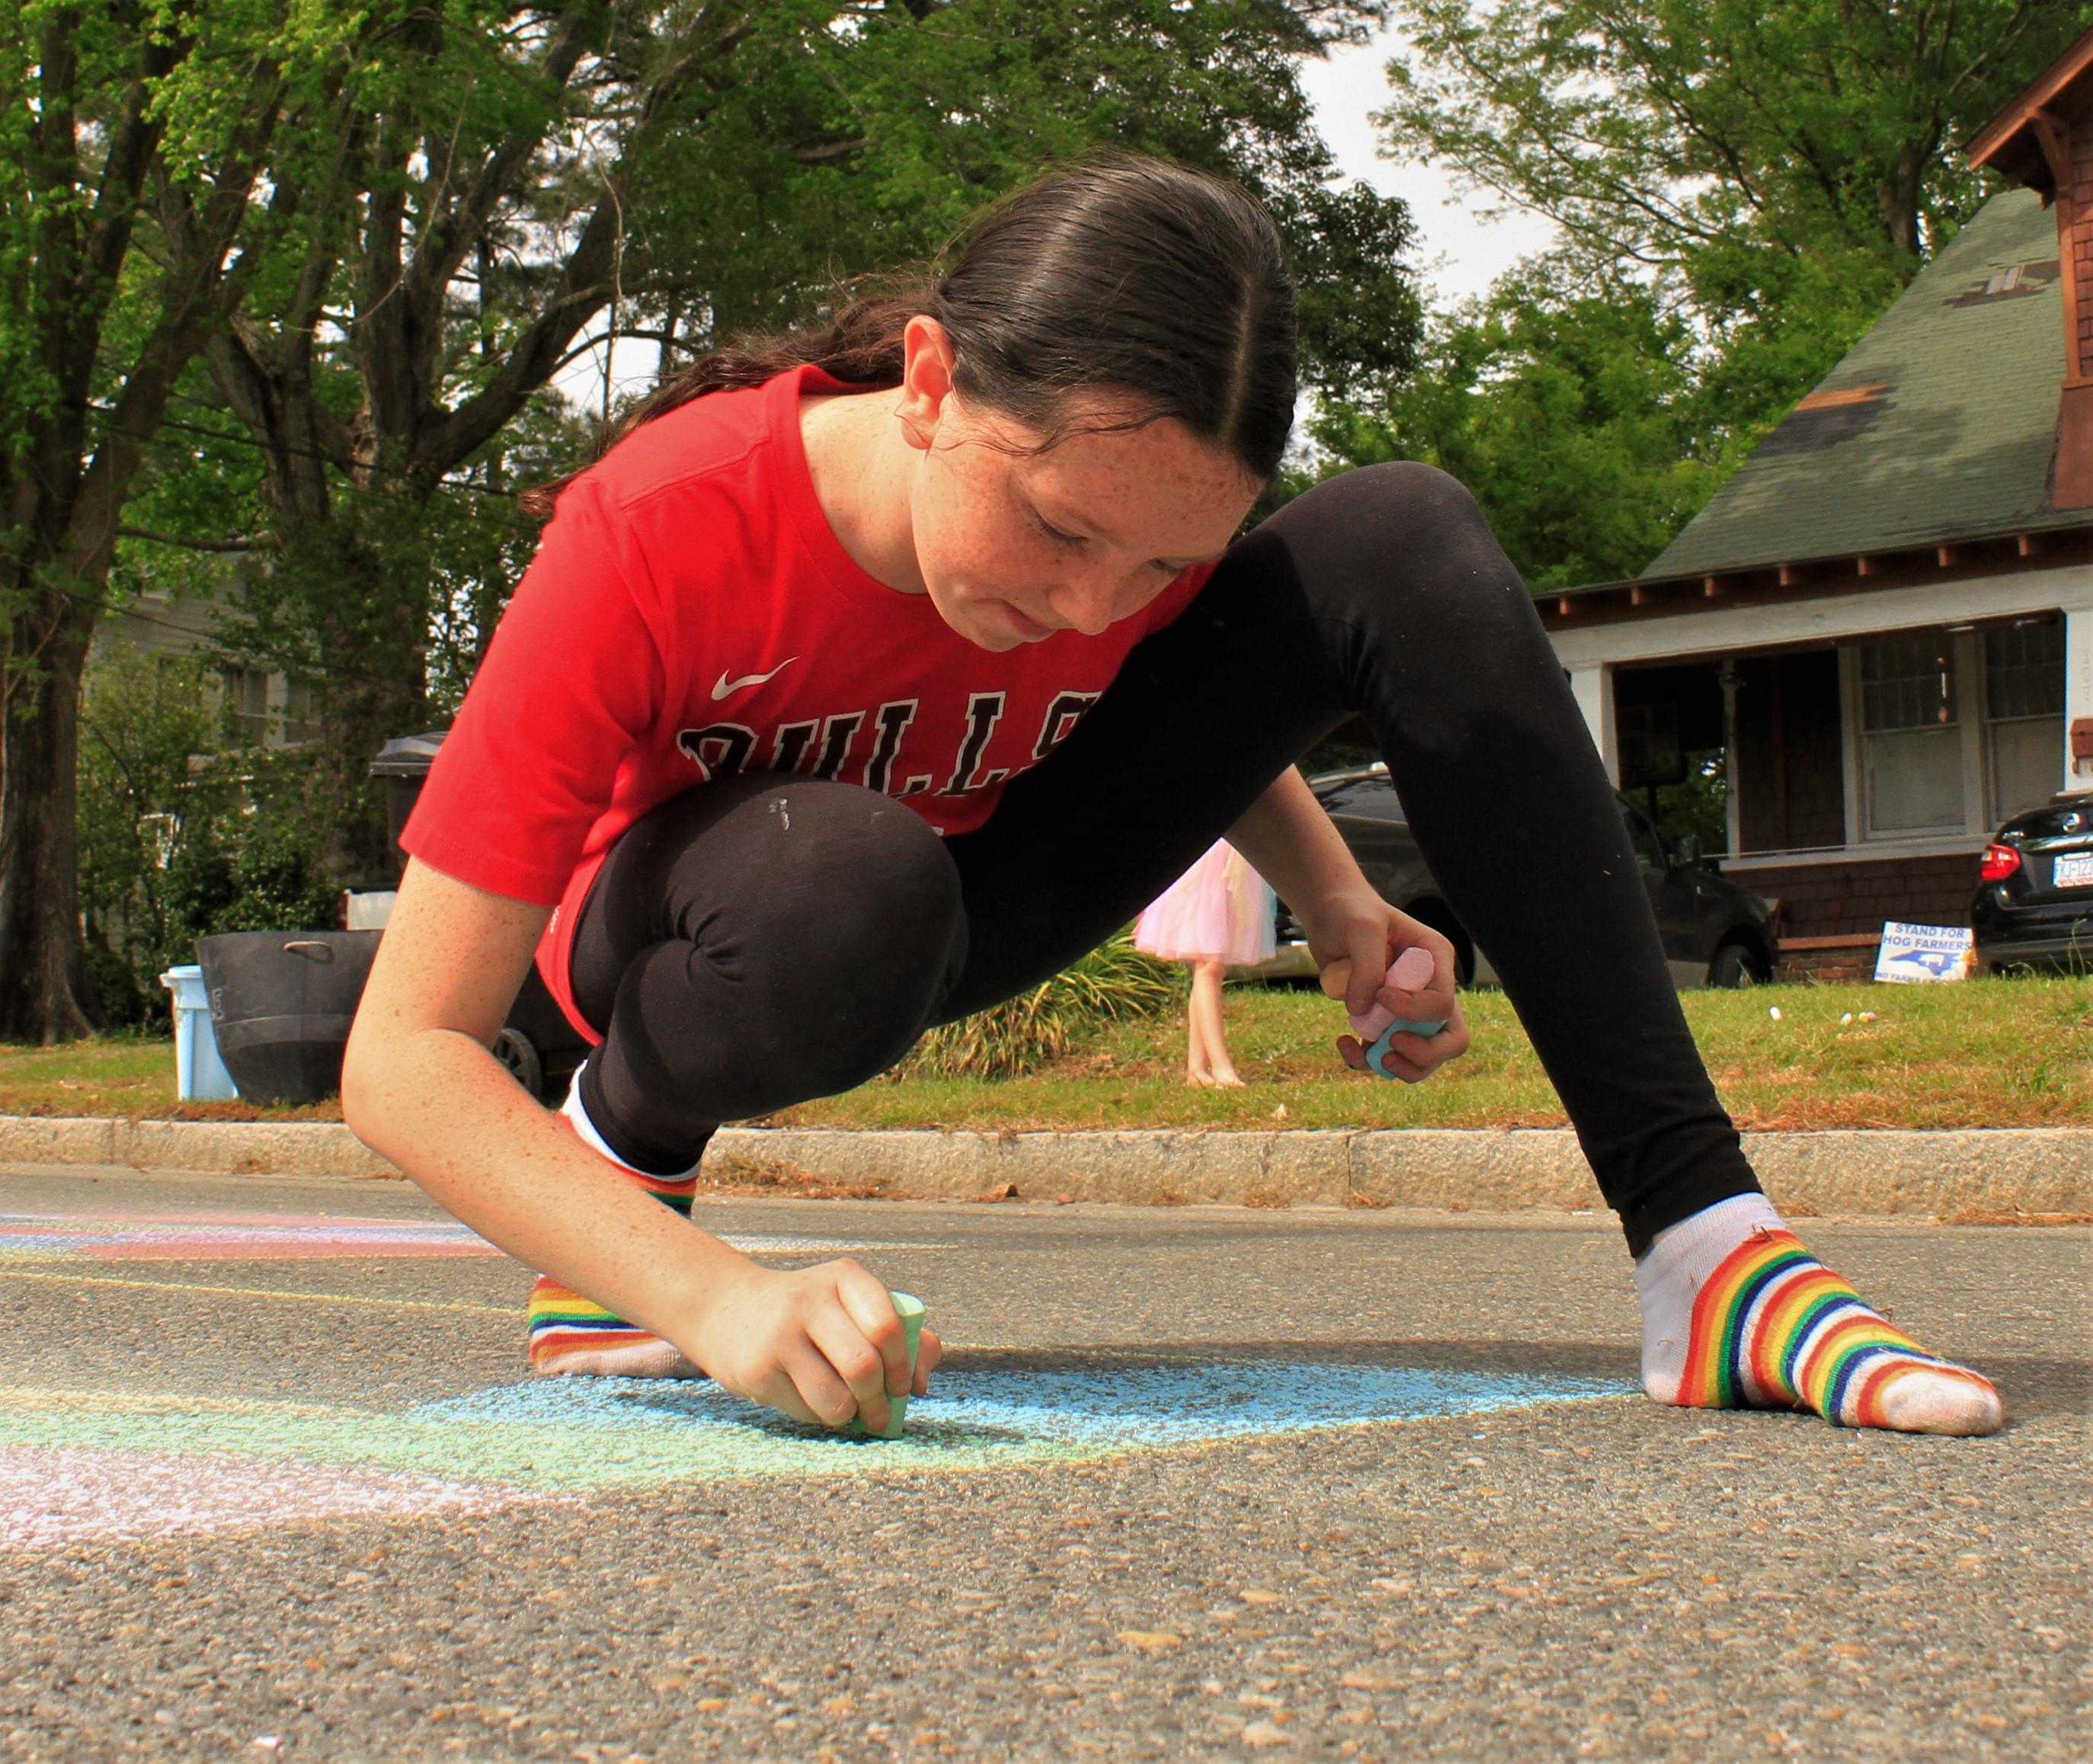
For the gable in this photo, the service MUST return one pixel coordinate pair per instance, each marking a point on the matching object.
(1939, 425)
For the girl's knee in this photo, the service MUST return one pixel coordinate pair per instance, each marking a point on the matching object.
(1403, 493)
(766, 845)
(856, 884)
(793, 888)
(814, 966)
(1402, 540)
(878, 855)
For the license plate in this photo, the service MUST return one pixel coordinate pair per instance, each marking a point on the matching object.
(2074, 869)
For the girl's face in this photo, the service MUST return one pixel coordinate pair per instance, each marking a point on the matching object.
(1014, 544)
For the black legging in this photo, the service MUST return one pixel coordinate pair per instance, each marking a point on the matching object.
(760, 941)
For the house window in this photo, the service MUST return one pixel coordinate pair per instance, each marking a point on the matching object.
(164, 831)
(1911, 735)
(300, 725)
(2024, 715)
(247, 696)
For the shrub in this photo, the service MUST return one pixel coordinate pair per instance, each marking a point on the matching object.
(184, 830)
(1115, 983)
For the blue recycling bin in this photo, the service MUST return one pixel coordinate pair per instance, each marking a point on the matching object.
(200, 1075)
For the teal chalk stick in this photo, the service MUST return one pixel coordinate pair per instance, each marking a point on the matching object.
(1397, 1028)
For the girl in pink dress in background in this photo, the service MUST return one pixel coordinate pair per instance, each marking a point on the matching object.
(1218, 914)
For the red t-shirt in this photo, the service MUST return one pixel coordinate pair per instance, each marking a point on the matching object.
(689, 615)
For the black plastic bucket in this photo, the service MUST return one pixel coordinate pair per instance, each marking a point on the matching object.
(281, 1003)
(537, 1043)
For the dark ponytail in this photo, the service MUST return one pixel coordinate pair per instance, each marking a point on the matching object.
(1128, 276)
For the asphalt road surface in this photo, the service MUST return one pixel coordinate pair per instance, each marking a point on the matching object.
(1195, 1483)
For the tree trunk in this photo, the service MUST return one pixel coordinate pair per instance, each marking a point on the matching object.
(43, 977)
(346, 802)
(1898, 195)
(368, 605)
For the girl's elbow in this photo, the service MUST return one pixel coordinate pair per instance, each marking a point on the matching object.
(356, 1113)
(363, 1086)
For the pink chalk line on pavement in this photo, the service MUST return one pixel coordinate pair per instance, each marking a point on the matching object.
(172, 1237)
(51, 1496)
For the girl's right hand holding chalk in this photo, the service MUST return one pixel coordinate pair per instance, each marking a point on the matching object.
(823, 1344)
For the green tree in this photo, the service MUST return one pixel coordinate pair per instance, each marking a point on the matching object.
(129, 224)
(140, 805)
(494, 188)
(1702, 135)
(1743, 187)
(187, 826)
(1579, 423)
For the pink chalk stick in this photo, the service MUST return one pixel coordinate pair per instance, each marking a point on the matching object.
(1413, 969)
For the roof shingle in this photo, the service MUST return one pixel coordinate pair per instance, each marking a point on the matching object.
(1938, 425)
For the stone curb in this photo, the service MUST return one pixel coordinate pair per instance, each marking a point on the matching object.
(1879, 1172)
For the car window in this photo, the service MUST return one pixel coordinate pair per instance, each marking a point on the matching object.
(1648, 848)
(1374, 799)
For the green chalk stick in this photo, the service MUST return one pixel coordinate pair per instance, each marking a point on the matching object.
(909, 1308)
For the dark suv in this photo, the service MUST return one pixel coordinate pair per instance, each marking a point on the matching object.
(1715, 934)
(2034, 907)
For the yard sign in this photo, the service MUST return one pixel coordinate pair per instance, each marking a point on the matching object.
(1926, 952)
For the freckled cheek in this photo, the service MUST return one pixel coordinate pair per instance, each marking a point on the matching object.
(980, 558)
(1139, 593)
(969, 529)
(966, 569)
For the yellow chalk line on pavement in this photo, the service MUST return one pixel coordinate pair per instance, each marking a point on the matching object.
(514, 1311)
(38, 1397)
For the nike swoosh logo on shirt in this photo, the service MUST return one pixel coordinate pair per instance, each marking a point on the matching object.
(727, 688)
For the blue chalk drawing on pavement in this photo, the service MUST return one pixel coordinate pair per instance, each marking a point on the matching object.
(601, 1431)
(551, 1438)
(1181, 1404)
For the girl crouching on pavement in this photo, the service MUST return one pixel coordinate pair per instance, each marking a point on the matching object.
(827, 712)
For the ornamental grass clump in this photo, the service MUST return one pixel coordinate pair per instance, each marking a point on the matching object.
(1115, 983)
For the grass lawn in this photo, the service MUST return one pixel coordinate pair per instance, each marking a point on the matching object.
(119, 1075)
(1989, 1053)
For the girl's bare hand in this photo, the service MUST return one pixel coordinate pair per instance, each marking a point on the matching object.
(820, 1344)
(1354, 939)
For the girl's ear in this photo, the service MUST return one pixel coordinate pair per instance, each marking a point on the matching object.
(926, 379)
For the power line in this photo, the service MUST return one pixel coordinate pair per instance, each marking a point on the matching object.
(239, 438)
(103, 604)
(212, 653)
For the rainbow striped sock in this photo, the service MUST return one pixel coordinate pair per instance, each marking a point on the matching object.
(571, 1335)
(1747, 1318)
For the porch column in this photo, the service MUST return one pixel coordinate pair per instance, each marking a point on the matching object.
(1733, 811)
(2078, 689)
(1594, 688)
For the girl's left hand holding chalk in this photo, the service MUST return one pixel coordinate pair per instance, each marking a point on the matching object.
(1412, 981)
(1354, 935)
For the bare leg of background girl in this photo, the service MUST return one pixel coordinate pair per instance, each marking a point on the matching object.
(1209, 1062)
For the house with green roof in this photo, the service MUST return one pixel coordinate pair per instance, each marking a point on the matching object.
(1884, 621)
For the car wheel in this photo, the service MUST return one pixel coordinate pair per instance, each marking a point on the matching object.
(1736, 965)
(513, 1048)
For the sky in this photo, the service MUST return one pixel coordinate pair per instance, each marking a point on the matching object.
(1459, 253)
